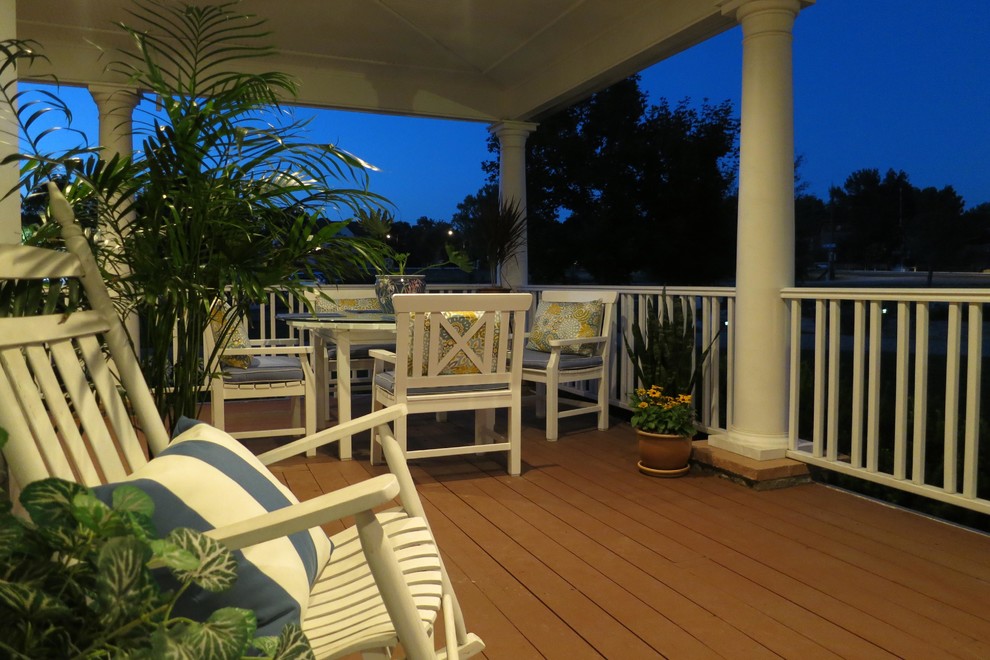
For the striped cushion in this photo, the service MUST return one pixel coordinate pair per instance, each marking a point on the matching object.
(206, 479)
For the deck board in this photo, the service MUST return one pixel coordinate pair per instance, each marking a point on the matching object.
(583, 557)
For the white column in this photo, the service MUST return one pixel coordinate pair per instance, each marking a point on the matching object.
(512, 187)
(10, 208)
(115, 106)
(765, 250)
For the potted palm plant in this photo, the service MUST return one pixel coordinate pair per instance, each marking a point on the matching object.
(225, 198)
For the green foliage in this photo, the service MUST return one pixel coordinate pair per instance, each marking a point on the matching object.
(665, 355)
(612, 170)
(500, 228)
(226, 196)
(656, 412)
(76, 582)
(378, 224)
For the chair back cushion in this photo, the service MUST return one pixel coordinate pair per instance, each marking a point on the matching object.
(461, 343)
(566, 320)
(347, 304)
(207, 479)
(237, 338)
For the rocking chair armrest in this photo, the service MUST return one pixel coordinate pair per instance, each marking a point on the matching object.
(333, 434)
(342, 503)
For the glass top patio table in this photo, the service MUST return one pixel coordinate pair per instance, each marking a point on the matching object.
(344, 329)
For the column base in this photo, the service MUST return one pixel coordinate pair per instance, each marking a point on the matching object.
(756, 446)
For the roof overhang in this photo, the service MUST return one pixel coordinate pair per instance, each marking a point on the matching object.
(483, 60)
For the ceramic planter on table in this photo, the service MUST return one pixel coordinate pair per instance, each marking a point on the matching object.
(387, 286)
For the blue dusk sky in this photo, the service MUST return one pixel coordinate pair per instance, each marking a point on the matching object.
(883, 84)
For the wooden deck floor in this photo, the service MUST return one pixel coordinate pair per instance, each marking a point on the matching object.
(583, 557)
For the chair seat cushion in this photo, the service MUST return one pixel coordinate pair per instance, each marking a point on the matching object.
(207, 479)
(538, 360)
(386, 381)
(266, 369)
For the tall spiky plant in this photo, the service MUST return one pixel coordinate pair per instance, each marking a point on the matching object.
(227, 197)
(666, 354)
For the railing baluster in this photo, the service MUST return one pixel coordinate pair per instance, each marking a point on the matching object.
(920, 393)
(818, 416)
(974, 369)
(795, 376)
(952, 350)
(834, 350)
(900, 390)
(858, 379)
(873, 388)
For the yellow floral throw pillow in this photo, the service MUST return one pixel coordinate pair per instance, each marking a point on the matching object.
(458, 360)
(347, 304)
(566, 320)
(236, 339)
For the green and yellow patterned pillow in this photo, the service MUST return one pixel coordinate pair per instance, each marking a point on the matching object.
(347, 304)
(459, 361)
(566, 320)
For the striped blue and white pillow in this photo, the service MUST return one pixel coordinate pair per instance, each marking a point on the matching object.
(207, 479)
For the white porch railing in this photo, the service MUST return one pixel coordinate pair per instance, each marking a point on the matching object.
(714, 308)
(885, 384)
(895, 387)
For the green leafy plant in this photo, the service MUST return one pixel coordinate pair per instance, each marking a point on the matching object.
(666, 354)
(656, 412)
(226, 196)
(76, 582)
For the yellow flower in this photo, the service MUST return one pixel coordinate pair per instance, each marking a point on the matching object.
(643, 404)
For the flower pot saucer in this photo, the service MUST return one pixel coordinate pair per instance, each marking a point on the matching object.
(662, 473)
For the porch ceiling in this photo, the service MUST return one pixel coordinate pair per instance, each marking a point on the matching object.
(466, 59)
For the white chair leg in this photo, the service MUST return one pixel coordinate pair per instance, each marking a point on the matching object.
(376, 449)
(553, 403)
(217, 412)
(603, 403)
(514, 433)
(541, 400)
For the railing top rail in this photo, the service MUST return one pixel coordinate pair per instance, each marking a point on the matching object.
(719, 291)
(907, 295)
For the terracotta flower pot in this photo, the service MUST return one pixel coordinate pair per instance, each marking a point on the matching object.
(663, 455)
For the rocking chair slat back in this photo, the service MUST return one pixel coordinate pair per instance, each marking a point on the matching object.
(64, 363)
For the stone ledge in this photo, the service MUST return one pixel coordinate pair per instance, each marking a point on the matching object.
(759, 475)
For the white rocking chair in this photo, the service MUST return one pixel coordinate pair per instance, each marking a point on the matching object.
(384, 583)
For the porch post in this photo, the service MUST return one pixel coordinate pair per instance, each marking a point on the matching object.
(512, 187)
(115, 106)
(765, 251)
(10, 208)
